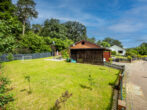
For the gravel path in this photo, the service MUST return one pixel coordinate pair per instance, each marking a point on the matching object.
(136, 85)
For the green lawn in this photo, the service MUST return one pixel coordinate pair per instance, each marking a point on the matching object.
(49, 79)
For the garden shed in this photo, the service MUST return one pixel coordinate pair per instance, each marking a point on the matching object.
(87, 52)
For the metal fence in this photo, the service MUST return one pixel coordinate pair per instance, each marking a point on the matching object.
(4, 58)
(121, 67)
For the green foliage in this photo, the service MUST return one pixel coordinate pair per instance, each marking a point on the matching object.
(3, 83)
(92, 39)
(129, 58)
(142, 49)
(4, 98)
(65, 53)
(110, 60)
(25, 11)
(7, 9)
(112, 41)
(103, 43)
(10, 57)
(36, 28)
(132, 52)
(34, 43)
(113, 52)
(59, 44)
(54, 29)
(9, 32)
(75, 31)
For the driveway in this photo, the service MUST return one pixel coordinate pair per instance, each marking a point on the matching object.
(136, 85)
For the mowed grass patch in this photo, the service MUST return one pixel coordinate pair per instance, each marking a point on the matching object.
(49, 79)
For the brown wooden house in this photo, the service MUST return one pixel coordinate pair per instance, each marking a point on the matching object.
(87, 52)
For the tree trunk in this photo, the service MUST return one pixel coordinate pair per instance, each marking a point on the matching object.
(23, 27)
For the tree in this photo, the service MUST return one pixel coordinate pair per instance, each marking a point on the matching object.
(25, 11)
(7, 9)
(58, 43)
(75, 31)
(36, 28)
(9, 30)
(112, 41)
(103, 43)
(92, 40)
(52, 28)
(34, 43)
(142, 49)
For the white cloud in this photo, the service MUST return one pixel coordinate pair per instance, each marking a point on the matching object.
(126, 27)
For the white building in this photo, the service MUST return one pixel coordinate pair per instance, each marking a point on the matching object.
(118, 50)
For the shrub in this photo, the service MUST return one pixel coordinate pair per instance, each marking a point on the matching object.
(113, 52)
(65, 53)
(110, 60)
(129, 58)
(10, 57)
(62, 99)
(4, 98)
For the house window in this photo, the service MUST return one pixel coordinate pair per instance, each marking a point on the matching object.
(83, 43)
(120, 51)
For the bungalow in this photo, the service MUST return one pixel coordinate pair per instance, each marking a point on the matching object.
(118, 50)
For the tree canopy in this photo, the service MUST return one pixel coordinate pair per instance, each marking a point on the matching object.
(54, 29)
(112, 41)
(25, 11)
(76, 31)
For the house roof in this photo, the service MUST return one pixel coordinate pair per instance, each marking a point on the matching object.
(115, 46)
(86, 45)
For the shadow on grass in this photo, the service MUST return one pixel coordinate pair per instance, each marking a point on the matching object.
(114, 85)
(22, 90)
(85, 87)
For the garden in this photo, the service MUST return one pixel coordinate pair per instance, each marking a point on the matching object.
(43, 84)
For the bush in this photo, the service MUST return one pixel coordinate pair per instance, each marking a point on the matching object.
(129, 58)
(5, 98)
(65, 53)
(10, 57)
(113, 52)
(110, 60)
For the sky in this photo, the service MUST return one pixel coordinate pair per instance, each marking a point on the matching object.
(124, 20)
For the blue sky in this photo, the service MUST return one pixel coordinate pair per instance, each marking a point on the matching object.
(125, 20)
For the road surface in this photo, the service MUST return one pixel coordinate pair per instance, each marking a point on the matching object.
(136, 85)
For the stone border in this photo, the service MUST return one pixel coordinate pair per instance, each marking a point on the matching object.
(117, 102)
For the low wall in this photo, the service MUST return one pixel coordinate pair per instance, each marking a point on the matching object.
(4, 58)
(118, 103)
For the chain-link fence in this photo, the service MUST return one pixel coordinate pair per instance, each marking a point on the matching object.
(4, 57)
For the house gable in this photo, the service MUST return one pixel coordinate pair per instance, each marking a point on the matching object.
(84, 44)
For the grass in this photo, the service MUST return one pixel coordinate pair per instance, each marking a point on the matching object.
(49, 79)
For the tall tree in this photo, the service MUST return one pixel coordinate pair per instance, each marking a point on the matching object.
(25, 11)
(76, 31)
(112, 41)
(52, 28)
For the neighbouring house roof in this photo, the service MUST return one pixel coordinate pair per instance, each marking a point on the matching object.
(116, 47)
(86, 45)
